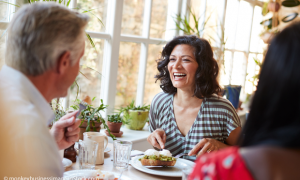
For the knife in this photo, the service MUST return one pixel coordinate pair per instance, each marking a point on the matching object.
(157, 166)
(137, 155)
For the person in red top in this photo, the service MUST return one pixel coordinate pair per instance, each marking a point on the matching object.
(270, 141)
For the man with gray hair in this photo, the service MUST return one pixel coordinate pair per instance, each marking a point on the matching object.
(44, 46)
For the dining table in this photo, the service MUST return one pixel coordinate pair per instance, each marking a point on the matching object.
(130, 172)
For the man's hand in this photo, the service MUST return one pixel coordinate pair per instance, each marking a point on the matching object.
(66, 130)
(206, 145)
(157, 138)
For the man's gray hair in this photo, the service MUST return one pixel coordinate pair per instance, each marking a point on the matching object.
(40, 33)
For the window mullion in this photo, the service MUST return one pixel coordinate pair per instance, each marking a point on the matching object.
(144, 53)
(73, 4)
(173, 9)
(202, 17)
(111, 55)
(248, 48)
(184, 13)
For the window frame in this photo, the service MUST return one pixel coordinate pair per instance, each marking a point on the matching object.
(113, 37)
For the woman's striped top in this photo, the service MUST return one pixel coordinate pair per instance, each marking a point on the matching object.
(216, 119)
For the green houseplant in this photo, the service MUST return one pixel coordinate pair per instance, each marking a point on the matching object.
(135, 117)
(114, 122)
(91, 118)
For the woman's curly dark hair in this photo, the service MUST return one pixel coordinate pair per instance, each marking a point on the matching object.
(207, 71)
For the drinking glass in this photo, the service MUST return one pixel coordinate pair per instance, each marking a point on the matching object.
(186, 171)
(87, 154)
(122, 150)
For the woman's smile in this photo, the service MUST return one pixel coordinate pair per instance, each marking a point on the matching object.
(179, 76)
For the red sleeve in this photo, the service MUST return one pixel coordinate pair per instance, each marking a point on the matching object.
(225, 164)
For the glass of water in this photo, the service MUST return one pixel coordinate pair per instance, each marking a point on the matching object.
(87, 154)
(122, 150)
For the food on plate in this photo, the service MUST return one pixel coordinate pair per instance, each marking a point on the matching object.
(157, 158)
(98, 175)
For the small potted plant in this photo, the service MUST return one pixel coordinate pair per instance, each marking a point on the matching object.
(114, 122)
(91, 118)
(135, 117)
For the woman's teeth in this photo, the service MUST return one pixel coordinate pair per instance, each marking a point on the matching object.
(179, 75)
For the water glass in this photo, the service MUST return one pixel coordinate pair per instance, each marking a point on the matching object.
(87, 154)
(186, 171)
(122, 150)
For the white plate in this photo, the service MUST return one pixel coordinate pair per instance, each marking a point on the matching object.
(71, 175)
(66, 162)
(106, 150)
(175, 171)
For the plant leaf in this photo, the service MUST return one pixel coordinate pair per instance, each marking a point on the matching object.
(83, 74)
(9, 3)
(84, 66)
(91, 41)
(78, 89)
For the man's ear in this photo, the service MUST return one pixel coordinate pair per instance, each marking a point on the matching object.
(63, 63)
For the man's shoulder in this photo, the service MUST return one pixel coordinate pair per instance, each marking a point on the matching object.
(18, 110)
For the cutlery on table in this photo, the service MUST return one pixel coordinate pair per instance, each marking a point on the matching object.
(182, 154)
(158, 166)
(136, 154)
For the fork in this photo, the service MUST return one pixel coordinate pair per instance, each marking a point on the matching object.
(182, 154)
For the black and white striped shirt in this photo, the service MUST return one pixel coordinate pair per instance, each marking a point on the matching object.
(216, 119)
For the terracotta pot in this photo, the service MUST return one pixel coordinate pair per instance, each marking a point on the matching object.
(84, 125)
(114, 127)
(273, 7)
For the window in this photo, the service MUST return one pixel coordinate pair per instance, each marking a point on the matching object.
(130, 34)
(88, 82)
(128, 73)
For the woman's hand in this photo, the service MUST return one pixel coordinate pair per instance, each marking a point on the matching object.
(206, 145)
(157, 138)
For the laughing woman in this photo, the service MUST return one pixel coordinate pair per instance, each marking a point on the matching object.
(188, 117)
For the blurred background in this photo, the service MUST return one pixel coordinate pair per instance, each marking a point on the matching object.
(127, 37)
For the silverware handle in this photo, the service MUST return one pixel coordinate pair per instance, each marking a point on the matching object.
(137, 155)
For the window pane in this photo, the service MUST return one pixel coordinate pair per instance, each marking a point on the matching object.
(3, 12)
(90, 82)
(231, 22)
(256, 43)
(132, 19)
(98, 11)
(225, 73)
(128, 70)
(238, 69)
(252, 71)
(243, 26)
(158, 19)
(2, 48)
(152, 88)
(213, 22)
(195, 6)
